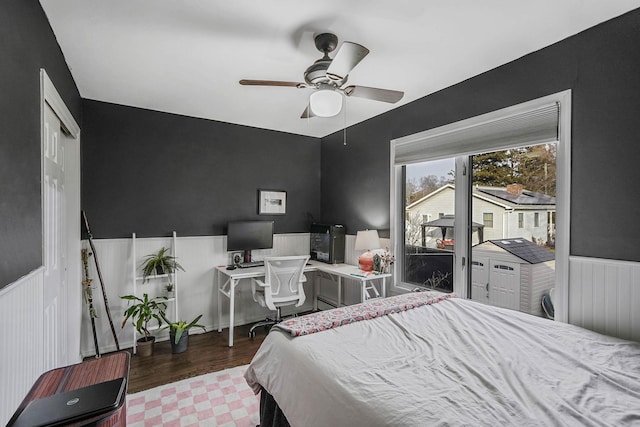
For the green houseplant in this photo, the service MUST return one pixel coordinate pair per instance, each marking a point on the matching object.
(179, 332)
(169, 289)
(141, 312)
(160, 262)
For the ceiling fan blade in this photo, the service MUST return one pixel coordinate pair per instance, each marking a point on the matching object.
(348, 56)
(384, 95)
(307, 113)
(272, 83)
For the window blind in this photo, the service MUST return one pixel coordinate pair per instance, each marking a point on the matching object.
(487, 133)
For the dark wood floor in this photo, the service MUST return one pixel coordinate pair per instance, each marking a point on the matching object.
(208, 352)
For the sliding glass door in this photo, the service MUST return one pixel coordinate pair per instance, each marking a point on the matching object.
(510, 226)
(429, 225)
(464, 195)
(513, 207)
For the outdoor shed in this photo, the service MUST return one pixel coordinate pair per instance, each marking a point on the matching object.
(512, 273)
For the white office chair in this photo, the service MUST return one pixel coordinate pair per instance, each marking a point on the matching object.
(282, 286)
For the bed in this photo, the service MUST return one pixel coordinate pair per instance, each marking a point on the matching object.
(424, 359)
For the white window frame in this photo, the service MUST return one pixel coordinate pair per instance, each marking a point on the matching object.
(484, 221)
(563, 197)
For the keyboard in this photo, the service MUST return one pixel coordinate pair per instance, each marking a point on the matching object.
(250, 264)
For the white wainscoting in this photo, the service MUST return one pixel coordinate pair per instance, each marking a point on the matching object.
(196, 286)
(22, 356)
(604, 295)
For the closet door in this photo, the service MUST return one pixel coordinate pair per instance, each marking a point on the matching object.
(55, 256)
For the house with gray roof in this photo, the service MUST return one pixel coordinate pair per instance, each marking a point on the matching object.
(503, 212)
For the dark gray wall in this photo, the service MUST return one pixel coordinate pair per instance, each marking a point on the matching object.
(151, 173)
(27, 44)
(600, 65)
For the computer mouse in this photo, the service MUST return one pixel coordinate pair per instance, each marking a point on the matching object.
(231, 267)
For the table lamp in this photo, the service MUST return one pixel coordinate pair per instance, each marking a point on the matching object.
(367, 240)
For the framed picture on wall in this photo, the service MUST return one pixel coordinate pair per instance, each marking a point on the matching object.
(272, 202)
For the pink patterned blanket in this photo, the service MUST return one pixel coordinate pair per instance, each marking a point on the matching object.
(328, 319)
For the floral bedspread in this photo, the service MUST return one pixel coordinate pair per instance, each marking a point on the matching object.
(328, 319)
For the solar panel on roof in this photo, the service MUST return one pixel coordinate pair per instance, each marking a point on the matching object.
(525, 250)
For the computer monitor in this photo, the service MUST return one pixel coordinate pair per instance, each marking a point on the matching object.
(248, 235)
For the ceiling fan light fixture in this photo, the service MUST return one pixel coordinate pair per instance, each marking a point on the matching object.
(327, 77)
(325, 102)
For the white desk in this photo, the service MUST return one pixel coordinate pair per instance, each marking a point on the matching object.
(227, 280)
(337, 272)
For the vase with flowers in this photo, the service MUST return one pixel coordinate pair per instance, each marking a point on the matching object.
(385, 261)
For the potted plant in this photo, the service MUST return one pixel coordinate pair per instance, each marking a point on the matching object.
(159, 263)
(141, 312)
(169, 288)
(179, 332)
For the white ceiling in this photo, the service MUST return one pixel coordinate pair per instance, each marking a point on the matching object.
(186, 56)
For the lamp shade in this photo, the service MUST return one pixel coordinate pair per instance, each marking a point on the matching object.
(366, 240)
(325, 102)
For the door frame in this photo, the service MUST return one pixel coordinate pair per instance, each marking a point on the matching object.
(51, 97)
(463, 187)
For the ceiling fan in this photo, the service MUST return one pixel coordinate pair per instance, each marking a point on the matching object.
(327, 77)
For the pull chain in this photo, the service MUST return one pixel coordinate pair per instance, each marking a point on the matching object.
(344, 131)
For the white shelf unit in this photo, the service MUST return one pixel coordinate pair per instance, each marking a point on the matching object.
(156, 284)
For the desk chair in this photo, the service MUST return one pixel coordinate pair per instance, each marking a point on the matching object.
(282, 286)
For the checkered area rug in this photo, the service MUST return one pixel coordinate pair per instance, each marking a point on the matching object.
(216, 399)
